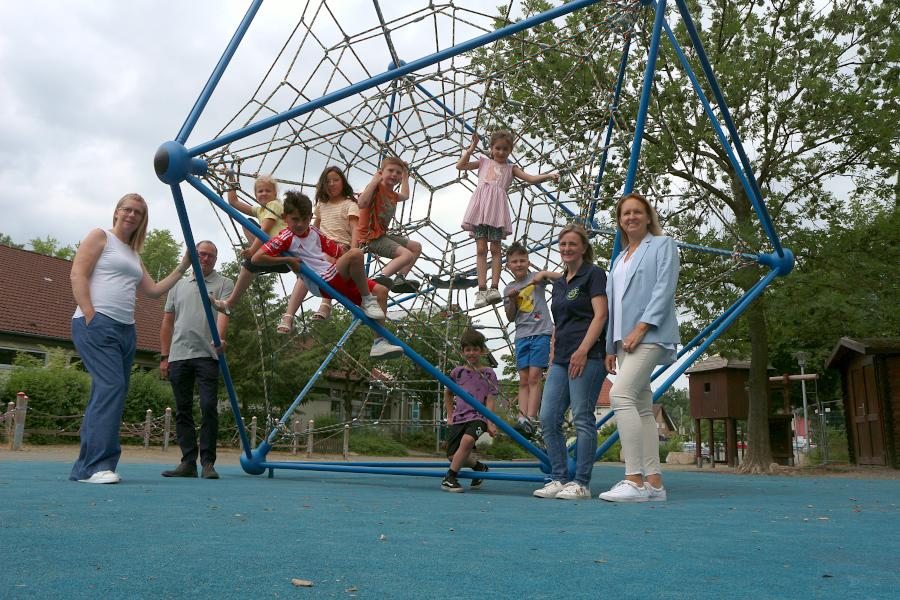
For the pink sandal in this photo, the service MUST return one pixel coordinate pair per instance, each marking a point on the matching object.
(323, 313)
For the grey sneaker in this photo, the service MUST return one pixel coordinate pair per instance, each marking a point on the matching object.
(384, 349)
(493, 296)
(574, 491)
(384, 280)
(550, 490)
(370, 307)
(403, 285)
(480, 298)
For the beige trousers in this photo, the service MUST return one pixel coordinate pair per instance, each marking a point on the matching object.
(632, 400)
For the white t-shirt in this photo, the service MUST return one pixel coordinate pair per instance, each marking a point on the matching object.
(310, 248)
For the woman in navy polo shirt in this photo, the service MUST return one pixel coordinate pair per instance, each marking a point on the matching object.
(577, 372)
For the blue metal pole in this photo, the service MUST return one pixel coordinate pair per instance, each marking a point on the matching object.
(359, 314)
(397, 471)
(273, 435)
(400, 71)
(614, 106)
(419, 465)
(741, 306)
(753, 191)
(216, 75)
(641, 120)
(207, 310)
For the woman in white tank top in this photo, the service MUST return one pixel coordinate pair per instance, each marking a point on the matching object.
(106, 273)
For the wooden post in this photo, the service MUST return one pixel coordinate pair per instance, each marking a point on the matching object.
(698, 441)
(731, 441)
(148, 423)
(253, 432)
(309, 438)
(346, 442)
(10, 418)
(167, 429)
(712, 443)
(295, 438)
(21, 411)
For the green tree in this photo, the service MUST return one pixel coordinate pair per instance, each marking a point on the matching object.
(161, 253)
(813, 91)
(5, 240)
(50, 246)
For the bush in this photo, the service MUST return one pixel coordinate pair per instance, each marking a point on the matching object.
(373, 444)
(673, 444)
(422, 440)
(614, 453)
(147, 390)
(504, 448)
(52, 392)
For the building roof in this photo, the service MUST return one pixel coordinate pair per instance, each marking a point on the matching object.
(718, 362)
(846, 346)
(36, 300)
(603, 398)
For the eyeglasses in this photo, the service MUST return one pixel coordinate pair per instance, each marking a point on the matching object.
(206, 255)
(131, 211)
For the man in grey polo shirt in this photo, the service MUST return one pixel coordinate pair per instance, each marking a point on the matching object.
(188, 356)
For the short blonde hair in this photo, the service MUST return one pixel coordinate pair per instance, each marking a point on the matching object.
(140, 234)
(265, 179)
(653, 227)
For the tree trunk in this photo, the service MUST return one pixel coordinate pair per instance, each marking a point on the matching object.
(759, 456)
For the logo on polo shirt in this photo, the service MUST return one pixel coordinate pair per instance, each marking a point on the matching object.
(573, 293)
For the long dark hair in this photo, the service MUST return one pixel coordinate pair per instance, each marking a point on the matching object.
(322, 193)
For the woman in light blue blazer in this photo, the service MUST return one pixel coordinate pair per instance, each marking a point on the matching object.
(641, 334)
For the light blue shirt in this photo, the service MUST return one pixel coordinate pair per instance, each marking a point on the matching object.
(648, 295)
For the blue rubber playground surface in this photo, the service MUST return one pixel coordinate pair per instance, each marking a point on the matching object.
(375, 536)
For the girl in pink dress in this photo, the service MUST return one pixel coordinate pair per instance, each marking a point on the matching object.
(487, 216)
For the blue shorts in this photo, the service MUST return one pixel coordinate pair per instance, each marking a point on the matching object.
(533, 351)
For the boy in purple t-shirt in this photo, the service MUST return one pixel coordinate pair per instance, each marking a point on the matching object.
(466, 424)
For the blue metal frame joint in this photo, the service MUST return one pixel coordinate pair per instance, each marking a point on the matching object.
(253, 464)
(783, 264)
(173, 163)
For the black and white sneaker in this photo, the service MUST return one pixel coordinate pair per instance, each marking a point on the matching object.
(450, 484)
(384, 280)
(402, 285)
(481, 468)
(525, 427)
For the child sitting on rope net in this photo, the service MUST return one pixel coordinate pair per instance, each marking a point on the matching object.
(268, 212)
(525, 303)
(466, 424)
(487, 216)
(343, 271)
(336, 215)
(377, 205)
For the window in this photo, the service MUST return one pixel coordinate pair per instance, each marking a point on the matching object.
(8, 355)
(707, 386)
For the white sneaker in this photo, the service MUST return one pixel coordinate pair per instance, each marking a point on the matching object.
(626, 491)
(550, 490)
(102, 477)
(656, 494)
(480, 298)
(371, 308)
(493, 296)
(574, 491)
(384, 349)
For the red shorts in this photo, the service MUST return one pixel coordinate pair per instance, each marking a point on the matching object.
(347, 288)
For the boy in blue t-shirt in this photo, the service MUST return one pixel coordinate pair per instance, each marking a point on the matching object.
(525, 303)
(466, 423)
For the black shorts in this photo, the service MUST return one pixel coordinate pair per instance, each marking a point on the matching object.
(257, 269)
(455, 435)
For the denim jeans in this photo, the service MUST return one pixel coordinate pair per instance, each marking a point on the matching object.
(581, 394)
(182, 374)
(107, 350)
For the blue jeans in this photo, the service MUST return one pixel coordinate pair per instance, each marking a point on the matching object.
(581, 394)
(107, 350)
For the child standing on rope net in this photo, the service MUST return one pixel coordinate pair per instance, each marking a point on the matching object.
(343, 271)
(487, 216)
(525, 303)
(466, 424)
(336, 215)
(268, 213)
(377, 206)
